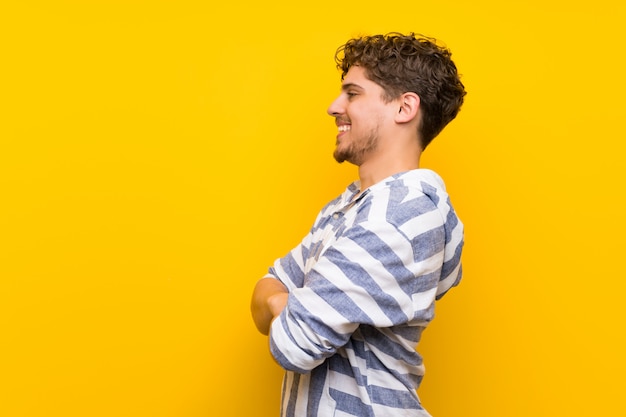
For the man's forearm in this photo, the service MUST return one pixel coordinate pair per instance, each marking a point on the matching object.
(268, 300)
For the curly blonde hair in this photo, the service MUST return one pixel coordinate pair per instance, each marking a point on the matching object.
(409, 63)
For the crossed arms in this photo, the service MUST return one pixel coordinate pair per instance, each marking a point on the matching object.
(268, 300)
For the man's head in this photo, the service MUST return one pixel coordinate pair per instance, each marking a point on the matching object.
(406, 63)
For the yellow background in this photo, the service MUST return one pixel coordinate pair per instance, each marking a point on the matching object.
(156, 157)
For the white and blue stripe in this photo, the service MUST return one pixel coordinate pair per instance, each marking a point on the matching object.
(362, 287)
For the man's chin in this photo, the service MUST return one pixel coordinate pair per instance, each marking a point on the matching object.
(340, 157)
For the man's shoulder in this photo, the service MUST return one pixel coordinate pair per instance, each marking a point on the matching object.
(406, 197)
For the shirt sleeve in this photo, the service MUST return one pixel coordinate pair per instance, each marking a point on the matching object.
(290, 268)
(381, 273)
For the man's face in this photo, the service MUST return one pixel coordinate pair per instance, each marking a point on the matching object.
(360, 114)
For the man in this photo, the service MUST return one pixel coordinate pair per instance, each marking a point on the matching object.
(345, 309)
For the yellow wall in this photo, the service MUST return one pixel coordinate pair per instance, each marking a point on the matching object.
(155, 157)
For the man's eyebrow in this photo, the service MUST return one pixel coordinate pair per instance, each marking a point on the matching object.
(347, 86)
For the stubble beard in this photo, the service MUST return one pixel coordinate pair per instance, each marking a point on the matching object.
(356, 151)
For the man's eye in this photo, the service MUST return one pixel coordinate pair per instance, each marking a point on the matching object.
(351, 94)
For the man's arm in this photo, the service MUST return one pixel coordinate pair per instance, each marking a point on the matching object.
(268, 300)
(370, 275)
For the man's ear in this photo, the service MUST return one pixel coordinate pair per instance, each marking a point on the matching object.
(409, 107)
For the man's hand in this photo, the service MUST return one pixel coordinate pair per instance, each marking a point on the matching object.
(268, 300)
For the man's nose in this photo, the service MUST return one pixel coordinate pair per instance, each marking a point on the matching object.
(335, 108)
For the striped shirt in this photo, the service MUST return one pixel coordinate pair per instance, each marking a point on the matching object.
(362, 288)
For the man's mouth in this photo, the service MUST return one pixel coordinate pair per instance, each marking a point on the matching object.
(343, 128)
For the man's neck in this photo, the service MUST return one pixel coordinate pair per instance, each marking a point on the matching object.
(376, 170)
